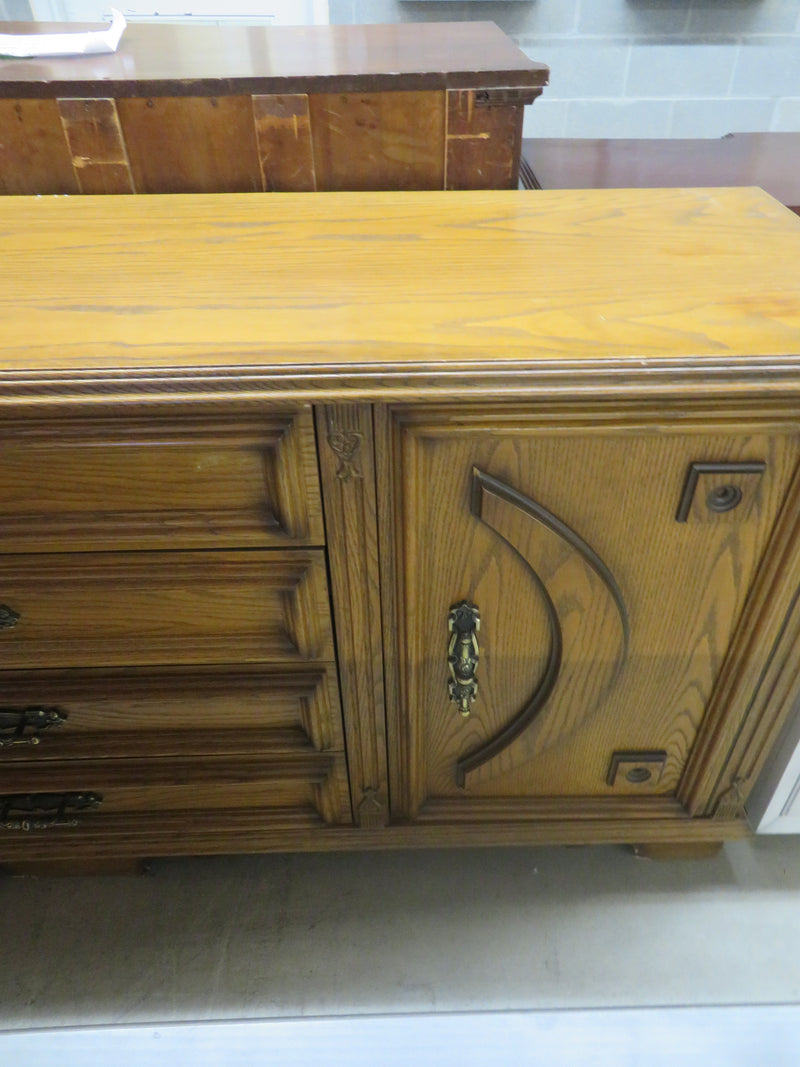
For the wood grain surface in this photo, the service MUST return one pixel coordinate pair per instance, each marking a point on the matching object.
(34, 155)
(106, 609)
(684, 587)
(185, 60)
(414, 285)
(94, 136)
(168, 711)
(379, 140)
(347, 465)
(198, 481)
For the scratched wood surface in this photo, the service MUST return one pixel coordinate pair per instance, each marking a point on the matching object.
(404, 281)
(220, 109)
(34, 157)
(99, 155)
(483, 143)
(378, 140)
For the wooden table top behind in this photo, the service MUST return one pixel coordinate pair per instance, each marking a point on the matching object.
(185, 60)
(205, 109)
(403, 294)
(769, 160)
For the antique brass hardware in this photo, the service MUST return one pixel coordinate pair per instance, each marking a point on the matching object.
(463, 624)
(36, 718)
(19, 811)
(8, 617)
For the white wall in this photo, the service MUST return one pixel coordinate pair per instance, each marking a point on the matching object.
(640, 68)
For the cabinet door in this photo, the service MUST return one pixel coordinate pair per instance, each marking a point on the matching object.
(587, 575)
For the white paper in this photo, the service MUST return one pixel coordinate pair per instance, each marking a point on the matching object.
(91, 43)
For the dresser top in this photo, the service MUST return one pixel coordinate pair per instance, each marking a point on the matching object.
(185, 60)
(380, 295)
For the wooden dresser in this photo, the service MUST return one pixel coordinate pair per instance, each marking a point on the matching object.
(375, 520)
(202, 109)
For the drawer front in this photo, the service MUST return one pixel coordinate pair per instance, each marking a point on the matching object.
(52, 715)
(85, 794)
(188, 482)
(120, 609)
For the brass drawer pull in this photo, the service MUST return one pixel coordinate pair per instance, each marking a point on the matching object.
(463, 624)
(8, 617)
(36, 718)
(19, 811)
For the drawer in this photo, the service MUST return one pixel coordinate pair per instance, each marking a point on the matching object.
(90, 794)
(192, 481)
(126, 609)
(166, 711)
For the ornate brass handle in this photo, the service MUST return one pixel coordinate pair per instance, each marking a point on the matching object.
(26, 806)
(15, 721)
(463, 624)
(8, 617)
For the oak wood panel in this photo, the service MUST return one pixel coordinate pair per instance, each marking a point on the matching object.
(283, 136)
(200, 480)
(178, 607)
(164, 711)
(311, 781)
(763, 678)
(378, 140)
(483, 143)
(279, 830)
(501, 286)
(347, 464)
(34, 156)
(191, 144)
(684, 588)
(95, 140)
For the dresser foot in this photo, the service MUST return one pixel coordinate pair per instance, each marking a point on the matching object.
(687, 850)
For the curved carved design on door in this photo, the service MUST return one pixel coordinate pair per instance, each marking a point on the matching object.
(587, 616)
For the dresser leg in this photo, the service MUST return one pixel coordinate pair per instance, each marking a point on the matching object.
(687, 850)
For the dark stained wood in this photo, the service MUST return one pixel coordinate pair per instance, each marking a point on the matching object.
(378, 140)
(164, 60)
(34, 156)
(283, 136)
(250, 109)
(483, 142)
(95, 140)
(191, 144)
(769, 160)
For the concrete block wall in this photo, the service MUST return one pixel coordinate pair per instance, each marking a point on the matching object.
(639, 68)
